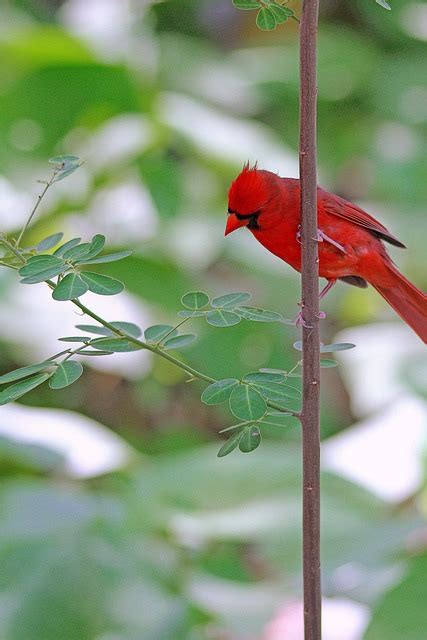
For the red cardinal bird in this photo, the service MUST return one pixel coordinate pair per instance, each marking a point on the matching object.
(350, 240)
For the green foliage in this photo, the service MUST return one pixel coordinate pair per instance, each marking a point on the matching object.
(195, 300)
(266, 19)
(67, 373)
(222, 318)
(270, 13)
(19, 389)
(157, 332)
(246, 403)
(102, 285)
(41, 268)
(384, 4)
(24, 372)
(230, 300)
(219, 391)
(179, 341)
(250, 439)
(247, 4)
(67, 245)
(118, 345)
(64, 166)
(49, 242)
(328, 348)
(70, 287)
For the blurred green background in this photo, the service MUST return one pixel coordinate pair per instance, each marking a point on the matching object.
(117, 520)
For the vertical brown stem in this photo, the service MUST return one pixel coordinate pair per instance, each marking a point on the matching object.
(310, 418)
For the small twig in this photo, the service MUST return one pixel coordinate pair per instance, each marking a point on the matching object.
(36, 206)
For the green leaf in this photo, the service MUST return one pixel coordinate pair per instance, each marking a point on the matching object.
(195, 300)
(114, 344)
(250, 439)
(222, 318)
(259, 315)
(93, 328)
(261, 376)
(64, 160)
(85, 352)
(158, 331)
(96, 246)
(383, 4)
(179, 341)
(77, 252)
(219, 391)
(231, 300)
(281, 14)
(277, 392)
(278, 371)
(67, 245)
(230, 445)
(247, 4)
(192, 314)
(110, 257)
(265, 20)
(70, 288)
(19, 389)
(246, 403)
(75, 339)
(67, 373)
(39, 264)
(49, 242)
(86, 250)
(67, 172)
(336, 346)
(42, 276)
(327, 348)
(23, 372)
(325, 363)
(102, 285)
(128, 327)
(276, 419)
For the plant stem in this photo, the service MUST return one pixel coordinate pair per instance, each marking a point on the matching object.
(5, 242)
(36, 206)
(310, 415)
(160, 352)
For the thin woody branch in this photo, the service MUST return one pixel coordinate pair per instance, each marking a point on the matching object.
(310, 416)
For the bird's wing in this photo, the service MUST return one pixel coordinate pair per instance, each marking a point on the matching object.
(348, 211)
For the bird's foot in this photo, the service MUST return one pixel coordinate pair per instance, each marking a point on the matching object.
(299, 320)
(322, 237)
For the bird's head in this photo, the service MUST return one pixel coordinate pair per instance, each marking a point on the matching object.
(249, 197)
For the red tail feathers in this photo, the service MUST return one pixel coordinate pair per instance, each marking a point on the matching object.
(408, 301)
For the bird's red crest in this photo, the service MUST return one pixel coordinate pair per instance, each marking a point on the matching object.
(249, 191)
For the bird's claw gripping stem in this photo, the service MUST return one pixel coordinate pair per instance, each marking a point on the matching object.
(322, 237)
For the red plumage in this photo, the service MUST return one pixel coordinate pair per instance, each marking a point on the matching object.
(350, 246)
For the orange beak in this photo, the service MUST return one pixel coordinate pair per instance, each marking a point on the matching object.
(233, 223)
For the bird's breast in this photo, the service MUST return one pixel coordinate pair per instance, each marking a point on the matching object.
(282, 241)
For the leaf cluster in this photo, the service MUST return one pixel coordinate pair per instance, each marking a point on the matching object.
(66, 264)
(270, 14)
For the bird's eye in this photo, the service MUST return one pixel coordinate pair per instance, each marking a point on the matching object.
(230, 210)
